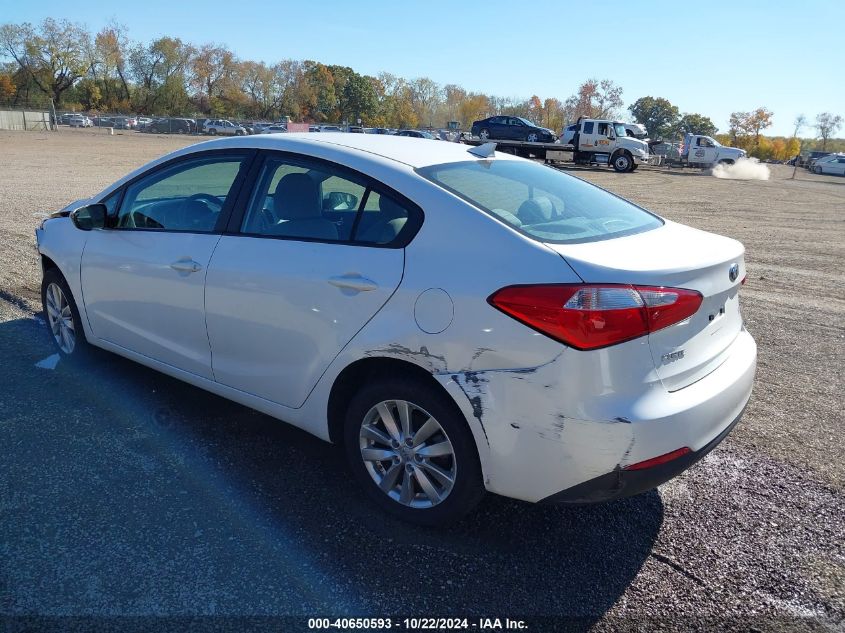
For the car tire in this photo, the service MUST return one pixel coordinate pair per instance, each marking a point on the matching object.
(484, 134)
(410, 483)
(62, 316)
(213, 132)
(532, 137)
(817, 170)
(621, 162)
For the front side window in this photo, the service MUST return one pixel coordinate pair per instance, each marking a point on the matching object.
(602, 129)
(542, 202)
(187, 196)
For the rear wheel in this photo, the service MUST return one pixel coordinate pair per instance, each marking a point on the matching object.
(622, 162)
(62, 316)
(411, 449)
(213, 132)
(484, 134)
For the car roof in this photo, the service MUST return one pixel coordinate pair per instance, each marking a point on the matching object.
(410, 151)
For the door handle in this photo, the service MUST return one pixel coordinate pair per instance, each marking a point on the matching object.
(353, 282)
(186, 266)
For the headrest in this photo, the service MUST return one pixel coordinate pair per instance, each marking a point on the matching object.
(297, 197)
(536, 210)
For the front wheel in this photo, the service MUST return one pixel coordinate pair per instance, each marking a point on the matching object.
(531, 137)
(62, 316)
(410, 448)
(817, 170)
(622, 162)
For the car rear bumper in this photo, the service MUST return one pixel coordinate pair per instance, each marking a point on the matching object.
(562, 432)
(621, 483)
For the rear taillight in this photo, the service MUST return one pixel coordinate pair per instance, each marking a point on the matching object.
(596, 315)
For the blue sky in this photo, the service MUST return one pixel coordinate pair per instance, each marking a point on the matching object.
(712, 58)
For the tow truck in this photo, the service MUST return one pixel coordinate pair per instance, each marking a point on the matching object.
(595, 142)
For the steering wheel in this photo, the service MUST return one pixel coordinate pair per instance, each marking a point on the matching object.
(212, 202)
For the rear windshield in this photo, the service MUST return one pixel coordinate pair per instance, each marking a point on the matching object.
(542, 202)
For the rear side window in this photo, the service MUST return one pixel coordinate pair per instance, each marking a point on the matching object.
(588, 127)
(542, 202)
(298, 199)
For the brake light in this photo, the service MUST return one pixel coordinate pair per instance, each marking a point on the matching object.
(596, 315)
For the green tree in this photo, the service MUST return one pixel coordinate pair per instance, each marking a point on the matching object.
(697, 124)
(657, 114)
(54, 56)
(359, 98)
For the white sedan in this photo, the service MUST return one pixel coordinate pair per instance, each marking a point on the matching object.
(460, 320)
(832, 164)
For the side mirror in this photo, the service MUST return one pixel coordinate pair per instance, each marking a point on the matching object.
(91, 216)
(342, 201)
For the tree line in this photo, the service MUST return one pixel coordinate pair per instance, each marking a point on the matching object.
(107, 71)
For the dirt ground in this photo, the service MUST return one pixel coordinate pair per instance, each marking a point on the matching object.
(755, 530)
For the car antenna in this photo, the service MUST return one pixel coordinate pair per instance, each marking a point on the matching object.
(483, 151)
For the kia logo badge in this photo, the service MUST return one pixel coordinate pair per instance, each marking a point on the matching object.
(733, 273)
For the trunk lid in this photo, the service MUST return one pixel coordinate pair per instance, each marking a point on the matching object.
(680, 257)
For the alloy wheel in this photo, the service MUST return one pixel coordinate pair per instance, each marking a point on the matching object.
(60, 318)
(407, 454)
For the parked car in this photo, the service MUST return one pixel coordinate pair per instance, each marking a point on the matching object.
(274, 129)
(79, 120)
(330, 128)
(670, 151)
(415, 134)
(608, 356)
(260, 128)
(64, 119)
(172, 126)
(831, 164)
(511, 128)
(812, 157)
(224, 127)
(122, 123)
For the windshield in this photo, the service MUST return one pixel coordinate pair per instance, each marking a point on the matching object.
(714, 141)
(526, 121)
(541, 201)
(620, 129)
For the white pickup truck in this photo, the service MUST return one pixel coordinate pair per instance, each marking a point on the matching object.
(705, 151)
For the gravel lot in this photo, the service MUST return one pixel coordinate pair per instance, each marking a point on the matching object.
(126, 493)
